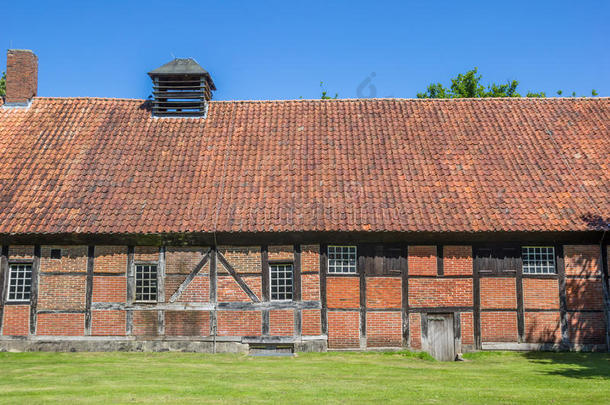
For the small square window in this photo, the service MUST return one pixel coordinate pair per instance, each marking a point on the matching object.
(538, 259)
(342, 259)
(19, 282)
(281, 281)
(146, 282)
(55, 253)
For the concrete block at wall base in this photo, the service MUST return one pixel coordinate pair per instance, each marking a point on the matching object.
(132, 345)
(544, 347)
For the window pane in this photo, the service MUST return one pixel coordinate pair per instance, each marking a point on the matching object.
(20, 282)
(342, 259)
(146, 282)
(538, 259)
(281, 281)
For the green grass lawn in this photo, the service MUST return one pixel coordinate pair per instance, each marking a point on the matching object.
(314, 378)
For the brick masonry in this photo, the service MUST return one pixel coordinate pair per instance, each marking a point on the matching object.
(67, 292)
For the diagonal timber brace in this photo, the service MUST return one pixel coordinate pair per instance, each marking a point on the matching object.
(190, 277)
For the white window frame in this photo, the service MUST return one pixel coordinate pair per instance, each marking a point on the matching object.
(156, 280)
(10, 278)
(332, 268)
(271, 265)
(538, 266)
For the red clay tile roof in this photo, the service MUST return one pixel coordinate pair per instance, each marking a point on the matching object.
(88, 165)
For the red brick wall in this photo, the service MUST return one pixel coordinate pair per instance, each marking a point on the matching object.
(311, 324)
(431, 292)
(21, 75)
(61, 292)
(198, 289)
(581, 260)
(109, 289)
(343, 329)
(182, 260)
(281, 322)
(587, 327)
(498, 292)
(383, 292)
(244, 259)
(21, 252)
(146, 254)
(457, 260)
(584, 294)
(145, 323)
(239, 323)
(281, 253)
(16, 320)
(108, 323)
(499, 326)
(540, 294)
(422, 261)
(343, 292)
(187, 323)
(61, 324)
(542, 327)
(310, 287)
(415, 330)
(384, 329)
(310, 258)
(73, 259)
(110, 259)
(230, 291)
(467, 327)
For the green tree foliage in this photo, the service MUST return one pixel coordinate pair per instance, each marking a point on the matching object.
(3, 84)
(469, 85)
(325, 95)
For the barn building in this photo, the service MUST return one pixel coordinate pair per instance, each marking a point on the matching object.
(182, 223)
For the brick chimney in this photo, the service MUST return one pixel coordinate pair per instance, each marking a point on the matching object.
(21, 76)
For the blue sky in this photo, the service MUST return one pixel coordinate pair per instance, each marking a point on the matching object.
(283, 49)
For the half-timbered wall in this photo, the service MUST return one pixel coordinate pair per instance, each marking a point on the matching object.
(223, 292)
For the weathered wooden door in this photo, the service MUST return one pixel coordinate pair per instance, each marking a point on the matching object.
(441, 337)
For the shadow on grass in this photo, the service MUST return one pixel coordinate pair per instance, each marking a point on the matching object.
(573, 365)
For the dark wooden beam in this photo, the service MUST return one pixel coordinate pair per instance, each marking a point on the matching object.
(237, 277)
(265, 272)
(131, 283)
(89, 289)
(563, 300)
(34, 290)
(323, 272)
(362, 265)
(213, 289)
(265, 322)
(476, 297)
(520, 310)
(3, 281)
(440, 268)
(161, 291)
(603, 267)
(404, 272)
(457, 331)
(191, 276)
(296, 275)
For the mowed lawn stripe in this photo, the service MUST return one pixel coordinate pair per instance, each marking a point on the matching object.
(313, 378)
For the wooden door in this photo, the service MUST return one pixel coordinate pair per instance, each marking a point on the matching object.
(441, 337)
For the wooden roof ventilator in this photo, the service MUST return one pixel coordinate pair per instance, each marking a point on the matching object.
(181, 88)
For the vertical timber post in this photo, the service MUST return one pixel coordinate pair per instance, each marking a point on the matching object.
(440, 269)
(89, 289)
(161, 292)
(265, 286)
(3, 282)
(34, 290)
(131, 283)
(520, 310)
(404, 272)
(213, 293)
(323, 272)
(563, 300)
(362, 265)
(296, 275)
(603, 267)
(476, 297)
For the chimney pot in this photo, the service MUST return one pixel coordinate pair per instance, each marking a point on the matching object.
(21, 77)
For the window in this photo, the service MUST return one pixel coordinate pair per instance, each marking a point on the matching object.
(342, 259)
(19, 282)
(146, 282)
(538, 259)
(281, 281)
